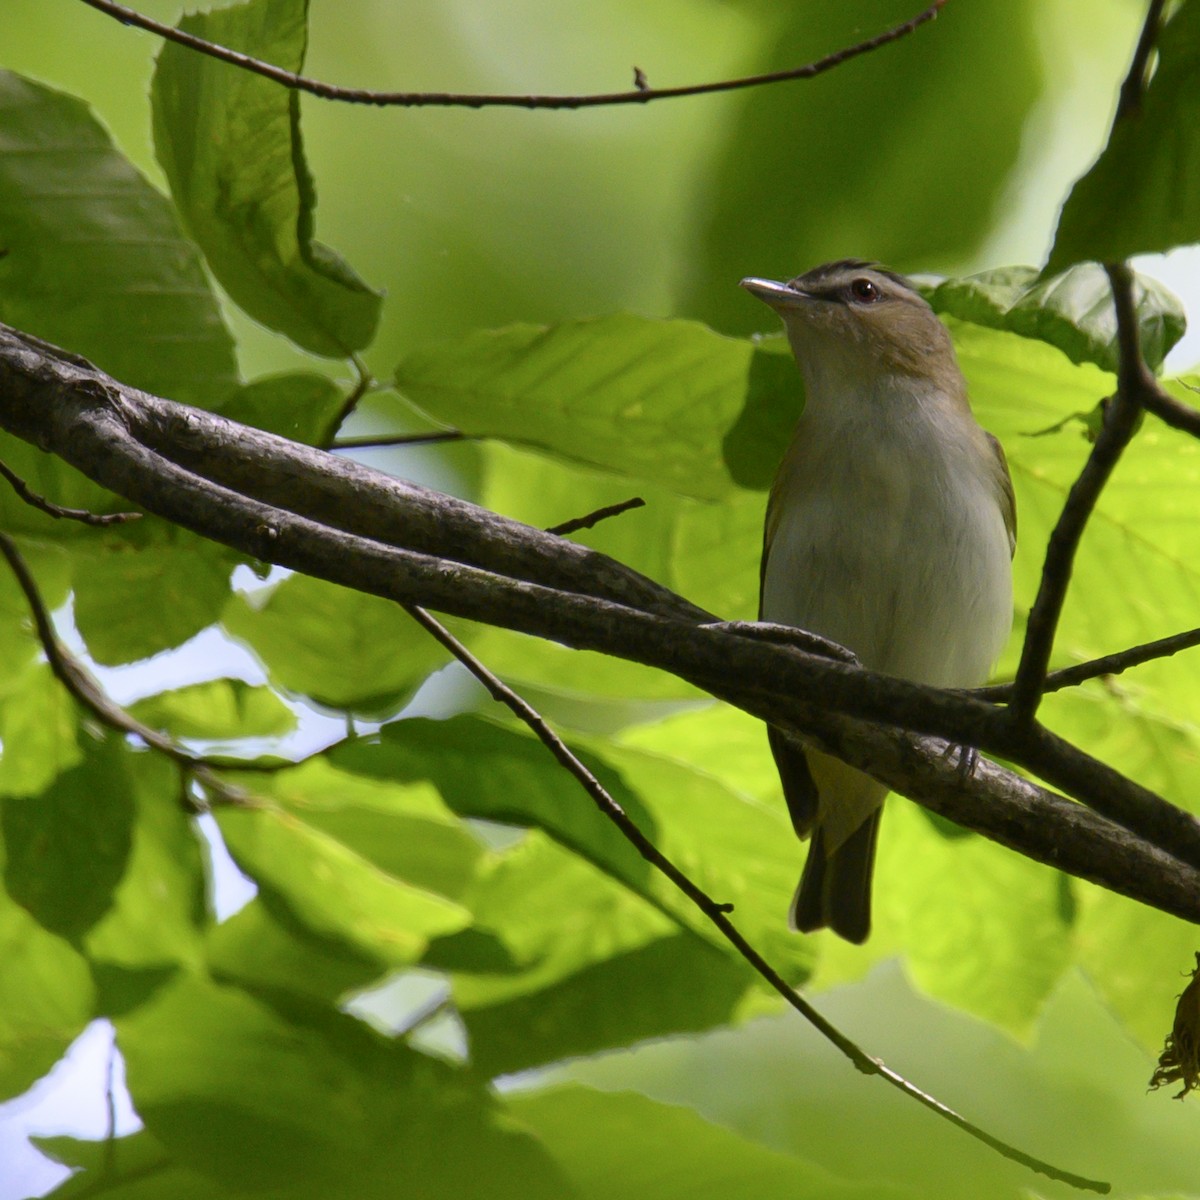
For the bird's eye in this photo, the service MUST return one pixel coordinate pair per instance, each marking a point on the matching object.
(865, 291)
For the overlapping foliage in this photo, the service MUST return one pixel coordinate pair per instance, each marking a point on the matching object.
(274, 1053)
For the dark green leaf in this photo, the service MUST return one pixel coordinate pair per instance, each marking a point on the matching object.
(92, 257)
(67, 849)
(1143, 193)
(1073, 311)
(343, 648)
(298, 405)
(229, 142)
(642, 398)
(301, 1101)
(159, 908)
(133, 600)
(220, 708)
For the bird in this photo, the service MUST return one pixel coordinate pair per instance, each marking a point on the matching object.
(890, 529)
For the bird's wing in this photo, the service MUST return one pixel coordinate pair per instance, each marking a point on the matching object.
(1004, 492)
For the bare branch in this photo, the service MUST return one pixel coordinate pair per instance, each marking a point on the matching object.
(594, 518)
(398, 439)
(338, 520)
(718, 913)
(639, 94)
(1135, 383)
(1109, 664)
(59, 511)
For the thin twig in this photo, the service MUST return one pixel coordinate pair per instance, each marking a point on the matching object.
(399, 439)
(60, 511)
(365, 380)
(1134, 88)
(1120, 422)
(1173, 412)
(1109, 664)
(717, 913)
(639, 95)
(594, 518)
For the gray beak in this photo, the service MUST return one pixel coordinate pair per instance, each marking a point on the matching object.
(777, 295)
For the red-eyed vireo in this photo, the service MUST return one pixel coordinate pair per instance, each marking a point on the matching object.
(890, 529)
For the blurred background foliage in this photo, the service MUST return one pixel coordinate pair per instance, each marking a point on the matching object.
(433, 968)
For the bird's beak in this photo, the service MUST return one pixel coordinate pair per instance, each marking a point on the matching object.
(777, 295)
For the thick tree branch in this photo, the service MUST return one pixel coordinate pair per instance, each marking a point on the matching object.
(640, 94)
(337, 520)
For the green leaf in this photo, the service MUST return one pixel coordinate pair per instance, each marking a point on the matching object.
(158, 910)
(229, 143)
(485, 770)
(328, 888)
(93, 259)
(136, 597)
(302, 1101)
(298, 405)
(623, 1144)
(263, 947)
(220, 708)
(67, 849)
(861, 161)
(132, 1168)
(646, 399)
(45, 998)
(404, 830)
(38, 728)
(343, 648)
(1073, 311)
(564, 961)
(1142, 195)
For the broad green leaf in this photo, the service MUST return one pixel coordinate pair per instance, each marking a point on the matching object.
(564, 961)
(624, 1144)
(404, 830)
(159, 908)
(45, 998)
(735, 848)
(646, 399)
(1142, 195)
(38, 731)
(229, 143)
(862, 161)
(261, 947)
(220, 708)
(150, 591)
(67, 849)
(299, 1101)
(299, 405)
(1073, 311)
(135, 1167)
(93, 258)
(343, 648)
(329, 889)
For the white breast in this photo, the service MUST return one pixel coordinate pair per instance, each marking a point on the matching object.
(891, 541)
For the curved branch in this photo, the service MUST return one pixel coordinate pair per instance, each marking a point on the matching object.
(314, 512)
(639, 94)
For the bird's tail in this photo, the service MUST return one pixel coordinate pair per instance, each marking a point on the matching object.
(835, 889)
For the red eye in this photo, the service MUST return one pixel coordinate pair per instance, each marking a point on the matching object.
(864, 290)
